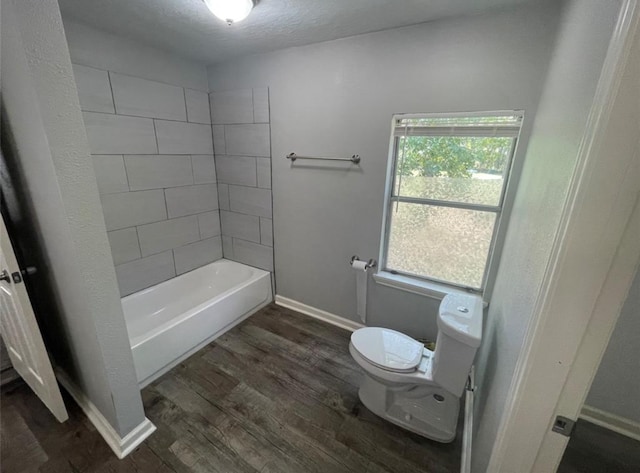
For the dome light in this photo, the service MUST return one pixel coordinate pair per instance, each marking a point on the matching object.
(230, 11)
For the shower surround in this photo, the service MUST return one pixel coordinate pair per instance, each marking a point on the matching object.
(152, 150)
(242, 142)
(152, 146)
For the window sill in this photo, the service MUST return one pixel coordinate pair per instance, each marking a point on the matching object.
(417, 286)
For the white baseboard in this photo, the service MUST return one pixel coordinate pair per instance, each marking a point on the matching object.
(121, 446)
(612, 422)
(318, 313)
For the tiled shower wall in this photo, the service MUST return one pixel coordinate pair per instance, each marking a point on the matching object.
(242, 142)
(152, 148)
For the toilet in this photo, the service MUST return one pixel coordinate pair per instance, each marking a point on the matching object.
(411, 386)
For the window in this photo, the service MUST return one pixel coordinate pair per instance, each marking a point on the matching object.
(447, 180)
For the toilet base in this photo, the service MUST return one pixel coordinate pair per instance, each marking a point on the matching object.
(426, 410)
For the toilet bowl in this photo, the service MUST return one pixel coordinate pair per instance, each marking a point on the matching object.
(411, 386)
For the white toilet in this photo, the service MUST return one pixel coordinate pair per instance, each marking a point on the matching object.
(414, 387)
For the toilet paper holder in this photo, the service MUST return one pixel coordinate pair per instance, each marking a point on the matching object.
(370, 264)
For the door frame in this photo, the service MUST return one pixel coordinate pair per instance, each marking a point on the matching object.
(590, 271)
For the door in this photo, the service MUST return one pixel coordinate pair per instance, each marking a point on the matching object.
(591, 271)
(21, 333)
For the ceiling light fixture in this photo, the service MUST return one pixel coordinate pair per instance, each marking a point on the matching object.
(231, 11)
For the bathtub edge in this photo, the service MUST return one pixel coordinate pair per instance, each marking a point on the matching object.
(168, 367)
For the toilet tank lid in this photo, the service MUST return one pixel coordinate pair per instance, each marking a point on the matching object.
(460, 317)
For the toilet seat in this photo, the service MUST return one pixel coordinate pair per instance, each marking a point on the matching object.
(388, 349)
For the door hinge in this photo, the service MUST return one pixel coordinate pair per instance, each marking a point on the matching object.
(564, 426)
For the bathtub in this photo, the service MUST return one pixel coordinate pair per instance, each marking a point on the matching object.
(172, 320)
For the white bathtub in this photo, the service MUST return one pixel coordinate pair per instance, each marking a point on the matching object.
(172, 320)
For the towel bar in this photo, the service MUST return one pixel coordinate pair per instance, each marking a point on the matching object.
(355, 159)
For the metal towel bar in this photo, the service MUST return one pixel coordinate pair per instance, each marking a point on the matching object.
(355, 159)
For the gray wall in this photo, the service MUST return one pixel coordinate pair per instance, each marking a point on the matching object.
(583, 38)
(337, 98)
(45, 124)
(152, 151)
(616, 387)
(110, 52)
(242, 144)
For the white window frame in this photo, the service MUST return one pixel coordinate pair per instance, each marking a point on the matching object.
(422, 284)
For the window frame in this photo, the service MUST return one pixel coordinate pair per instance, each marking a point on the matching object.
(507, 189)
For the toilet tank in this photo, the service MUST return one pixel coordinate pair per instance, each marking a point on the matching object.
(459, 336)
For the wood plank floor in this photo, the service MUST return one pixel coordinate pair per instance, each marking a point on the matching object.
(594, 449)
(276, 394)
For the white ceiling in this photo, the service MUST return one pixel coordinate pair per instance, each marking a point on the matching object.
(186, 27)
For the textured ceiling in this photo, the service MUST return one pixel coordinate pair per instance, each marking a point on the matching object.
(186, 27)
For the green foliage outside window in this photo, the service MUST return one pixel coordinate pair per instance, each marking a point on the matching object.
(452, 156)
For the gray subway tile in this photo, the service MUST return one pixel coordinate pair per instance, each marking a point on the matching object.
(227, 247)
(94, 90)
(197, 106)
(156, 171)
(161, 236)
(266, 231)
(183, 138)
(264, 172)
(209, 223)
(239, 170)
(218, 139)
(129, 209)
(124, 245)
(223, 196)
(204, 168)
(197, 254)
(142, 273)
(189, 200)
(242, 226)
(110, 173)
(147, 98)
(261, 105)
(233, 106)
(253, 254)
(250, 200)
(115, 134)
(247, 140)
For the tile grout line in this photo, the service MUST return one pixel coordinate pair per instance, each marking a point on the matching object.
(193, 171)
(136, 227)
(253, 104)
(199, 227)
(155, 134)
(155, 154)
(159, 188)
(249, 241)
(143, 257)
(215, 166)
(186, 109)
(178, 247)
(113, 96)
(175, 267)
(224, 137)
(227, 183)
(149, 118)
(233, 239)
(139, 244)
(138, 77)
(245, 214)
